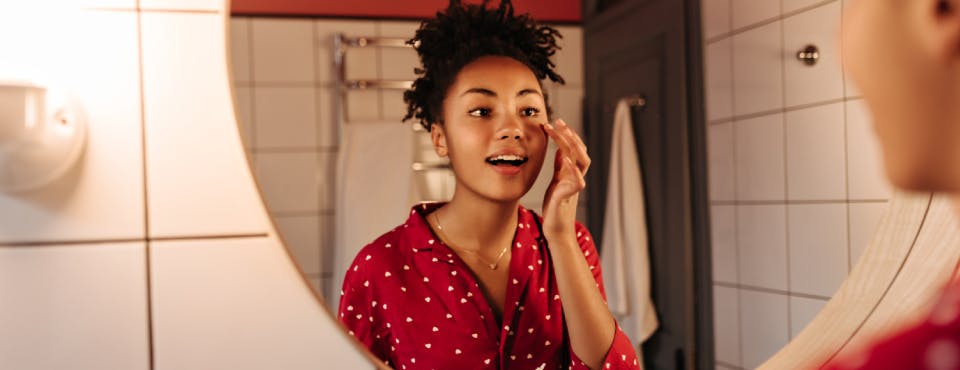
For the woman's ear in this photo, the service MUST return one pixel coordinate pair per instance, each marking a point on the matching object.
(940, 28)
(439, 138)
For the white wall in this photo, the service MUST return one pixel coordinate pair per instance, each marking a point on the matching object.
(796, 185)
(156, 251)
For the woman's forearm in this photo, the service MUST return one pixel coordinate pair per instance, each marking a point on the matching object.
(591, 325)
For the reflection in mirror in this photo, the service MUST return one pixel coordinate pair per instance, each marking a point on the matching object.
(796, 183)
(285, 78)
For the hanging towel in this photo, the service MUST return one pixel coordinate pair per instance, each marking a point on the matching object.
(374, 178)
(624, 254)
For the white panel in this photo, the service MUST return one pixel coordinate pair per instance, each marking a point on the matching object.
(824, 80)
(325, 29)
(759, 156)
(302, 237)
(74, 307)
(191, 5)
(102, 197)
(715, 17)
(864, 219)
(720, 164)
(533, 199)
(757, 70)
(765, 332)
(254, 312)
(198, 180)
(286, 117)
(292, 182)
(794, 5)
(244, 107)
(818, 248)
(283, 50)
(723, 228)
(569, 58)
(240, 55)
(816, 168)
(865, 172)
(726, 321)
(802, 311)
(719, 79)
(762, 237)
(749, 12)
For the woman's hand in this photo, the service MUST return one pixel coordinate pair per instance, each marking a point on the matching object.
(570, 167)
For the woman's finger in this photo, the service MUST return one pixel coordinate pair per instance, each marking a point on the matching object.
(564, 145)
(578, 148)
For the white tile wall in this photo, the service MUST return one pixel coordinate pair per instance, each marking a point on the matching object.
(809, 188)
(244, 107)
(716, 17)
(302, 237)
(824, 80)
(816, 168)
(74, 307)
(802, 312)
(283, 50)
(759, 157)
(818, 247)
(719, 80)
(181, 5)
(757, 69)
(198, 316)
(569, 59)
(720, 155)
(293, 182)
(749, 12)
(762, 249)
(724, 243)
(199, 189)
(867, 177)
(286, 117)
(108, 179)
(240, 50)
(766, 330)
(726, 318)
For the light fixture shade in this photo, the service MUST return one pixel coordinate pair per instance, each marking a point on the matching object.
(42, 135)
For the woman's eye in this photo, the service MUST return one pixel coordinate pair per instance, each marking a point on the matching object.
(530, 112)
(480, 112)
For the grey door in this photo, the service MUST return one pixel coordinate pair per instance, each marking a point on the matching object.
(652, 49)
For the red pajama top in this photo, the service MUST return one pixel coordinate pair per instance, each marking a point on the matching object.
(415, 304)
(933, 343)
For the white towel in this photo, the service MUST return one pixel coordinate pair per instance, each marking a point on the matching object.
(374, 177)
(624, 254)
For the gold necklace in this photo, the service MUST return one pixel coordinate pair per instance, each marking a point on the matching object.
(492, 266)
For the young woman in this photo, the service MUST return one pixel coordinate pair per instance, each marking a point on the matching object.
(481, 282)
(904, 56)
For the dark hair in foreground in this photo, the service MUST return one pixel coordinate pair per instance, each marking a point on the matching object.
(464, 33)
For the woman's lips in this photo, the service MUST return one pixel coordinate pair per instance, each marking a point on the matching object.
(506, 169)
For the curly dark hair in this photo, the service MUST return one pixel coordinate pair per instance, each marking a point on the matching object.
(464, 33)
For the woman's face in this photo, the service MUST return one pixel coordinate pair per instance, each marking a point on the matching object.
(492, 131)
(901, 56)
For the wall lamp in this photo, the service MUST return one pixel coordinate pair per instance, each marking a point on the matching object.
(42, 135)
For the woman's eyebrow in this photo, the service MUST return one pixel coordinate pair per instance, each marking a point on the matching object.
(490, 93)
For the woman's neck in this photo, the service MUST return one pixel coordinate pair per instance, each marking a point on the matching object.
(476, 223)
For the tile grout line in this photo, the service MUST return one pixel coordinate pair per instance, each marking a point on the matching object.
(148, 271)
(786, 169)
(317, 113)
(846, 151)
(784, 110)
(765, 21)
